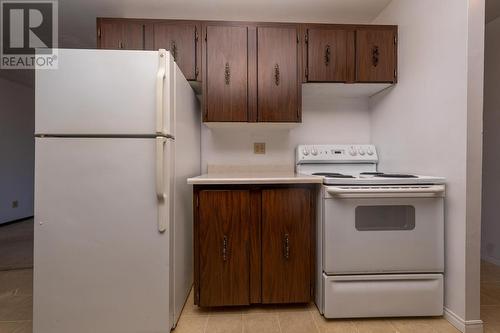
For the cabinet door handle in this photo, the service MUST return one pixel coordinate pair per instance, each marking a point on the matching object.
(227, 74)
(277, 74)
(173, 48)
(120, 45)
(327, 55)
(224, 248)
(286, 247)
(375, 56)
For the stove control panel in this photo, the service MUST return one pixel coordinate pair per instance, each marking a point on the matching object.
(336, 154)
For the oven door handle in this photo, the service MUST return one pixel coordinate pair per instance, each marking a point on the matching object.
(430, 191)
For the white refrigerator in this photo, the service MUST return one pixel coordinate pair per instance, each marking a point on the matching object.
(117, 134)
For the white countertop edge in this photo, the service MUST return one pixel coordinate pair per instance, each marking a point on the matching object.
(215, 179)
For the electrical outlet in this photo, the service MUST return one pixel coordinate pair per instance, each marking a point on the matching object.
(259, 148)
(15, 204)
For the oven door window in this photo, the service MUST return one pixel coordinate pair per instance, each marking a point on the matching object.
(373, 218)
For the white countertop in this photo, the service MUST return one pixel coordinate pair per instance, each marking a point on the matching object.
(254, 178)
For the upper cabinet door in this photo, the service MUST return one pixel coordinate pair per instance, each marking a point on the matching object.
(278, 94)
(121, 34)
(224, 247)
(133, 36)
(376, 55)
(180, 39)
(226, 78)
(110, 35)
(330, 55)
(286, 245)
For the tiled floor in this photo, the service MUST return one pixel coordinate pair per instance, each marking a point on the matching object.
(295, 319)
(16, 245)
(490, 297)
(16, 299)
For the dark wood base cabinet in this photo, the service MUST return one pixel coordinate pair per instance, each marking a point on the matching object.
(254, 244)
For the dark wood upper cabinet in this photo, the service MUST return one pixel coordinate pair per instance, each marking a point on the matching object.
(110, 35)
(278, 92)
(226, 74)
(251, 71)
(330, 55)
(133, 36)
(224, 248)
(121, 34)
(376, 55)
(181, 40)
(286, 245)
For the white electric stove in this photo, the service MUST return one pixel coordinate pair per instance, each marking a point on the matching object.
(380, 236)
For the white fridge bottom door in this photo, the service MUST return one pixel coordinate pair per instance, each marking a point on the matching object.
(357, 296)
(100, 263)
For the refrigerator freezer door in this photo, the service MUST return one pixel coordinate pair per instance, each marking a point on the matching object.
(104, 92)
(101, 265)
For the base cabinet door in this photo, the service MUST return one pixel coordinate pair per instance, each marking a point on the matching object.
(224, 247)
(286, 245)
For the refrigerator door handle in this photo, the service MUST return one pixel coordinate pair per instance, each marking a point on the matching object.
(160, 81)
(160, 183)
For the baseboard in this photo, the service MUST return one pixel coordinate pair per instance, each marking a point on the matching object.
(491, 260)
(465, 326)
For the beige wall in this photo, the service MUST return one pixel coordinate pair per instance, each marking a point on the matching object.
(491, 182)
(429, 124)
(324, 120)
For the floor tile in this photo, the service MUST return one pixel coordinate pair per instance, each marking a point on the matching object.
(490, 314)
(491, 292)
(332, 325)
(191, 324)
(18, 282)
(491, 328)
(224, 323)
(15, 308)
(442, 325)
(297, 322)
(413, 326)
(16, 327)
(16, 245)
(423, 325)
(261, 323)
(374, 326)
(190, 309)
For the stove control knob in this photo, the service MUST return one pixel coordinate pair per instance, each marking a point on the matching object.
(314, 152)
(361, 151)
(352, 151)
(369, 151)
(305, 152)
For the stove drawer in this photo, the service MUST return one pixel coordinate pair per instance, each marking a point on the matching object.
(383, 235)
(357, 296)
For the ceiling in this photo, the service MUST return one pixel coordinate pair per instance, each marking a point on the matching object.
(492, 10)
(77, 17)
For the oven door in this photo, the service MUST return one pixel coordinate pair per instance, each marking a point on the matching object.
(384, 229)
